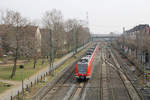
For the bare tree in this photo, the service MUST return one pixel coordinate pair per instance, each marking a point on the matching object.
(32, 43)
(72, 28)
(15, 23)
(69, 28)
(45, 44)
(77, 34)
(71, 33)
(52, 21)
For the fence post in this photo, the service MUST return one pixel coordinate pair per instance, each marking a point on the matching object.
(18, 95)
(11, 97)
(31, 84)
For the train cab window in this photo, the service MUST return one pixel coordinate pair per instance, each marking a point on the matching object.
(83, 60)
(88, 53)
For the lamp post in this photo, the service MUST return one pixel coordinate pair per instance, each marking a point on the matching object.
(22, 67)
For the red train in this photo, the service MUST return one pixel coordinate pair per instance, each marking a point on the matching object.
(85, 65)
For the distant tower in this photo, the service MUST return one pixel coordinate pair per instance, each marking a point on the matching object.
(87, 19)
(123, 29)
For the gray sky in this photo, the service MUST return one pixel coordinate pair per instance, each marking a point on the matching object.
(104, 15)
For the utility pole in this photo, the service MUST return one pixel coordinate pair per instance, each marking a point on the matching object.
(141, 66)
(22, 67)
(87, 22)
(123, 36)
(144, 76)
(73, 36)
(51, 53)
(76, 41)
(139, 38)
(87, 19)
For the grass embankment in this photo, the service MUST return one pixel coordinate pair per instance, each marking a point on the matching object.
(5, 71)
(35, 88)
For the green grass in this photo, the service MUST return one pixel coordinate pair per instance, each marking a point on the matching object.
(5, 71)
(3, 87)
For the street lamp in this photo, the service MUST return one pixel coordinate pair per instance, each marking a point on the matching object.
(22, 67)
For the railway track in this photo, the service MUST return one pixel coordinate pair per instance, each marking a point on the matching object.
(109, 80)
(50, 90)
(60, 84)
(78, 91)
(111, 85)
(66, 82)
(65, 79)
(67, 88)
(92, 88)
(112, 71)
(101, 82)
(131, 90)
(130, 75)
(81, 88)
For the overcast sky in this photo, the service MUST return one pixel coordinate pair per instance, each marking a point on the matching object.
(104, 15)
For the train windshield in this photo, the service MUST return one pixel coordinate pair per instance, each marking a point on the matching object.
(83, 60)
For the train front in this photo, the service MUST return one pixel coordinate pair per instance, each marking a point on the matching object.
(83, 67)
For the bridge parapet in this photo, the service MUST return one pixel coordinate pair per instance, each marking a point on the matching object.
(105, 35)
(99, 37)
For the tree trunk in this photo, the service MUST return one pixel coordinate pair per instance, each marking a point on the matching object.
(42, 60)
(14, 67)
(34, 64)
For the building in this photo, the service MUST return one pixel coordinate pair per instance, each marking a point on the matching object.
(45, 42)
(142, 30)
(26, 37)
(137, 40)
